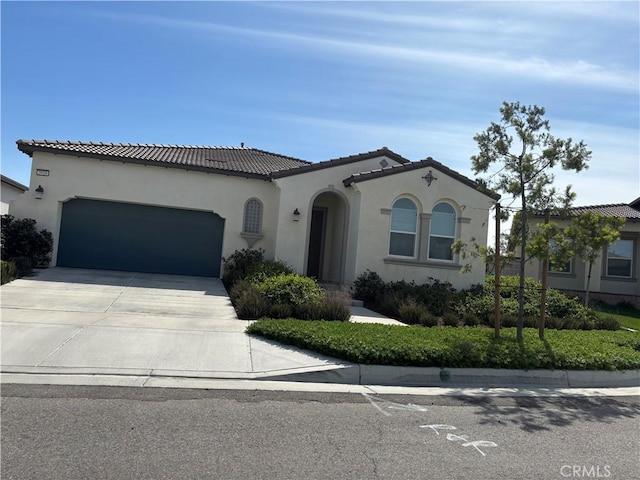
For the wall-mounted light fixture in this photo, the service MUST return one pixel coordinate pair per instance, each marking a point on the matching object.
(39, 192)
(296, 215)
(429, 178)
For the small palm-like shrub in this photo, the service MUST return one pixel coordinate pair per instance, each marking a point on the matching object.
(335, 307)
(309, 311)
(251, 305)
(238, 289)
(281, 310)
(412, 312)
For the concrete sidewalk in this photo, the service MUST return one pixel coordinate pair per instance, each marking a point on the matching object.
(87, 325)
(76, 321)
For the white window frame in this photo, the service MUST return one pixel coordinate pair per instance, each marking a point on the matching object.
(630, 259)
(432, 235)
(403, 232)
(552, 245)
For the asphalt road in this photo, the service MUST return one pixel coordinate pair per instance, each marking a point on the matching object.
(58, 432)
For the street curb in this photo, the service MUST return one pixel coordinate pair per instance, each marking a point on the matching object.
(359, 374)
(382, 375)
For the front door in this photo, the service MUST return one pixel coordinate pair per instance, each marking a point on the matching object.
(316, 242)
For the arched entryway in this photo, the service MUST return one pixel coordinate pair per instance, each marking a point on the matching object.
(327, 237)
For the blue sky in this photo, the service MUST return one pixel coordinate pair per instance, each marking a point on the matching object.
(319, 80)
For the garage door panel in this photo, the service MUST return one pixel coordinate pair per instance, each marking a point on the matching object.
(131, 237)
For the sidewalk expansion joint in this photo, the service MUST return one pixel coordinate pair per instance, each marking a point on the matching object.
(39, 364)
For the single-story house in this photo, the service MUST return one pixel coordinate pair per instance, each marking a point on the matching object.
(614, 277)
(181, 209)
(9, 191)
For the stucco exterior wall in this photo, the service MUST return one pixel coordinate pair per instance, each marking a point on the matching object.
(376, 199)
(8, 193)
(72, 177)
(576, 281)
(358, 216)
(300, 191)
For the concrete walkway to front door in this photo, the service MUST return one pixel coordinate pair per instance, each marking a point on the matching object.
(79, 321)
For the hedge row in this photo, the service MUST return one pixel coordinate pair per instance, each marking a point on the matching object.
(465, 347)
(436, 302)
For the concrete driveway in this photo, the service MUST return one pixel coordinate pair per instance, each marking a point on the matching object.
(79, 321)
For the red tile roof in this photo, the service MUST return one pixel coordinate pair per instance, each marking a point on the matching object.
(381, 152)
(619, 210)
(629, 211)
(240, 161)
(13, 183)
(428, 162)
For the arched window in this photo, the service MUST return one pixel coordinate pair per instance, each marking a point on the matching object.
(252, 216)
(442, 232)
(404, 222)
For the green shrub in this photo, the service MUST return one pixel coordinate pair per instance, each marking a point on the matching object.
(368, 286)
(386, 298)
(251, 305)
(606, 322)
(436, 295)
(239, 264)
(21, 238)
(506, 321)
(429, 320)
(470, 320)
(457, 347)
(388, 303)
(9, 272)
(451, 319)
(259, 272)
(23, 266)
(291, 289)
(567, 312)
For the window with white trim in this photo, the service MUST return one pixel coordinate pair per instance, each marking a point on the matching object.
(252, 217)
(404, 228)
(564, 268)
(620, 259)
(442, 232)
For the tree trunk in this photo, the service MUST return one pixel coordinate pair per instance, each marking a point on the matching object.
(497, 267)
(545, 278)
(523, 233)
(586, 294)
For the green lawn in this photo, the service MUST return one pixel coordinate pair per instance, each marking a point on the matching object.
(469, 347)
(627, 316)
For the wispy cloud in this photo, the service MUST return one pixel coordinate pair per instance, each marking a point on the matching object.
(575, 72)
(613, 175)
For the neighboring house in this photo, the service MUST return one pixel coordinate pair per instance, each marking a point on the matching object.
(9, 191)
(614, 277)
(180, 209)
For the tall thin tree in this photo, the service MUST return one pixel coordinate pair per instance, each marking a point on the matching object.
(525, 151)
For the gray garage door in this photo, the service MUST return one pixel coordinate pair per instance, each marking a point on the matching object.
(140, 238)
